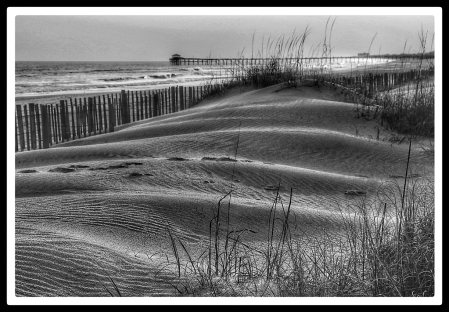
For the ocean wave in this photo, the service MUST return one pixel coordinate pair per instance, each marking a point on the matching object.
(191, 69)
(120, 78)
(163, 76)
(25, 89)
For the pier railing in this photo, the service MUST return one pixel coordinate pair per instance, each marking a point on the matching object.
(40, 126)
(289, 60)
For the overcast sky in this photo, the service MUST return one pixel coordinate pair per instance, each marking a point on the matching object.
(157, 37)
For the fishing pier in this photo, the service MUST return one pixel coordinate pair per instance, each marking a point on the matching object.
(177, 59)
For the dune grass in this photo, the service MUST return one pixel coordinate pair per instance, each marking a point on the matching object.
(407, 108)
(384, 247)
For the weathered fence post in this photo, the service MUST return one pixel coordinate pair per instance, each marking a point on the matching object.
(38, 121)
(32, 126)
(104, 114)
(45, 135)
(84, 117)
(94, 116)
(100, 117)
(142, 106)
(67, 120)
(54, 123)
(78, 119)
(125, 118)
(27, 131)
(132, 105)
(147, 105)
(118, 108)
(161, 103)
(58, 123)
(49, 124)
(20, 124)
(138, 115)
(181, 98)
(48, 110)
(73, 119)
(90, 123)
(177, 98)
(155, 103)
(17, 145)
(62, 120)
(140, 100)
(173, 100)
(189, 101)
(111, 115)
(165, 106)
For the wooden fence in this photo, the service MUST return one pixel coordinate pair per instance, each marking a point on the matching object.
(40, 126)
(371, 83)
(43, 125)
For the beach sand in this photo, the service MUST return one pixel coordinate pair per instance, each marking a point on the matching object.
(105, 213)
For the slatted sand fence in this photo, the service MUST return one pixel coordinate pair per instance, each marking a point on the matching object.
(40, 126)
(370, 83)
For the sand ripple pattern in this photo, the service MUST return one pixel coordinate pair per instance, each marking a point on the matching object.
(96, 209)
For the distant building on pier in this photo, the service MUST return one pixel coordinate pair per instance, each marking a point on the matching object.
(175, 58)
(363, 54)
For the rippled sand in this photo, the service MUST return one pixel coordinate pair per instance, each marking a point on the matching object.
(95, 211)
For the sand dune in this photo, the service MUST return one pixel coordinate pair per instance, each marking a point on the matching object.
(100, 206)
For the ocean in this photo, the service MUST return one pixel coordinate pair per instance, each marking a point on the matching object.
(47, 80)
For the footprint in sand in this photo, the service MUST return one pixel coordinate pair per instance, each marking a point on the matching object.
(136, 174)
(355, 192)
(61, 169)
(226, 159)
(78, 166)
(274, 188)
(98, 168)
(219, 159)
(118, 166)
(209, 158)
(28, 171)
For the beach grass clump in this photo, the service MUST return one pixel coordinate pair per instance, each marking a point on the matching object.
(411, 109)
(407, 107)
(379, 251)
(278, 61)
